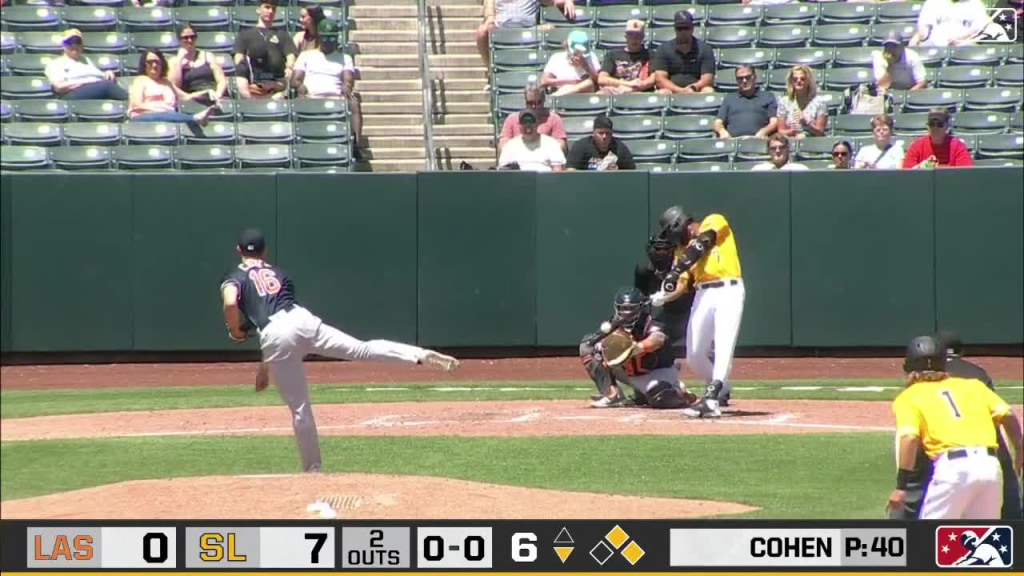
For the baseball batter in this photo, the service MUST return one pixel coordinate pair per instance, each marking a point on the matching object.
(650, 369)
(260, 296)
(952, 420)
(709, 254)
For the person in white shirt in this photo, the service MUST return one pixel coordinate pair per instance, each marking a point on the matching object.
(73, 76)
(778, 153)
(574, 70)
(950, 22)
(532, 151)
(883, 154)
(319, 75)
(897, 67)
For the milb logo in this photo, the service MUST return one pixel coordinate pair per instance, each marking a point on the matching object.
(974, 546)
(1003, 27)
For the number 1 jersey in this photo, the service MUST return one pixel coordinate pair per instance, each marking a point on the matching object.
(264, 290)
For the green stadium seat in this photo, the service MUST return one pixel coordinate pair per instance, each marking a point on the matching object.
(880, 31)
(34, 134)
(616, 16)
(142, 157)
(845, 13)
(519, 60)
(508, 38)
(204, 157)
(751, 149)
(91, 18)
(216, 41)
(155, 133)
(978, 122)
(659, 36)
(654, 167)
(324, 131)
(932, 56)
(108, 42)
(588, 105)
(20, 87)
(225, 112)
(840, 34)
(262, 110)
(307, 109)
(514, 82)
(852, 124)
(843, 78)
(166, 42)
(28, 64)
(910, 124)
(695, 103)
(266, 132)
(17, 158)
(6, 111)
(898, 12)
(705, 150)
(80, 157)
(760, 58)
(663, 13)
(41, 42)
(1016, 123)
(1001, 146)
(982, 54)
(577, 127)
(204, 18)
(963, 76)
(221, 133)
(818, 164)
(610, 38)
(8, 42)
(802, 14)
(657, 151)
(639, 103)
(598, 3)
(730, 36)
(854, 56)
(812, 148)
(834, 100)
(262, 156)
(243, 19)
(1015, 53)
(703, 167)
(553, 16)
(1009, 75)
(1005, 99)
(93, 133)
(815, 57)
(922, 100)
(999, 162)
(555, 39)
(97, 110)
(321, 155)
(637, 127)
(688, 126)
(142, 19)
(734, 15)
(30, 18)
(775, 79)
(784, 36)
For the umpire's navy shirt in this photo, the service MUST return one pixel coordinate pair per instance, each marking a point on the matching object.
(745, 115)
(682, 68)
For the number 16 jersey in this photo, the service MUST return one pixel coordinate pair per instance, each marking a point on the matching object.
(264, 290)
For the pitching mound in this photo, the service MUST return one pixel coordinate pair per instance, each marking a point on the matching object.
(354, 496)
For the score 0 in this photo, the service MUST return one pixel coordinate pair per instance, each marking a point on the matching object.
(453, 547)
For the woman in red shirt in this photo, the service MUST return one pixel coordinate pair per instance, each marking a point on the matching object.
(938, 148)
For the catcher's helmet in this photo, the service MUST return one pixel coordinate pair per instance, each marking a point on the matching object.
(629, 305)
(673, 223)
(924, 353)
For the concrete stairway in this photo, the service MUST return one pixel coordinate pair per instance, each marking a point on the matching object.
(384, 36)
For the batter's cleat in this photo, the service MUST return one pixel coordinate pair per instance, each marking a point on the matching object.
(723, 400)
(449, 363)
(704, 408)
(609, 402)
(595, 397)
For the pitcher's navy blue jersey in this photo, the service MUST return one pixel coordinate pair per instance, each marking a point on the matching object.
(264, 290)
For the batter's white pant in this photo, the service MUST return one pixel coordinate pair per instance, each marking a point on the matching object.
(968, 488)
(295, 333)
(715, 320)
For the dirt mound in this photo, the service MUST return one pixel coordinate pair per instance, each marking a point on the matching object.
(354, 496)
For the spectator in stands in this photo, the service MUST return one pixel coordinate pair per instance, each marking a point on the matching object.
(883, 154)
(897, 67)
(601, 150)
(686, 66)
(842, 155)
(322, 73)
(779, 159)
(574, 70)
(195, 70)
(938, 148)
(628, 69)
(264, 56)
(153, 98)
(308, 36)
(514, 14)
(950, 23)
(73, 76)
(548, 122)
(748, 112)
(532, 150)
(802, 112)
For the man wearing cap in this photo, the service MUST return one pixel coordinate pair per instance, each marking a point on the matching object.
(325, 73)
(897, 67)
(938, 148)
(514, 14)
(258, 297)
(628, 69)
(687, 65)
(531, 150)
(73, 76)
(601, 150)
(548, 121)
(574, 70)
(264, 56)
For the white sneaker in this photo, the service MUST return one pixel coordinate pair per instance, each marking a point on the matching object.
(444, 361)
(705, 408)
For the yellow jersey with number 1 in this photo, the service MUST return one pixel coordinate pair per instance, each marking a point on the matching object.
(950, 413)
(722, 262)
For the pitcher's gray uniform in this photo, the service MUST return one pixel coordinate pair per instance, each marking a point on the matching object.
(258, 295)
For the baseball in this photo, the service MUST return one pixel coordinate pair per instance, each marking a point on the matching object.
(606, 326)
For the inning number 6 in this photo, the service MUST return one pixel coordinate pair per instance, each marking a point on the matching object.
(523, 547)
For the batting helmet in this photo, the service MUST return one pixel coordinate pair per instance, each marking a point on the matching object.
(924, 353)
(629, 304)
(673, 223)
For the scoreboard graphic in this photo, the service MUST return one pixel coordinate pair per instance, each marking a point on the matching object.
(521, 546)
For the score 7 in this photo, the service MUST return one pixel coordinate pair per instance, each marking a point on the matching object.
(320, 537)
(524, 547)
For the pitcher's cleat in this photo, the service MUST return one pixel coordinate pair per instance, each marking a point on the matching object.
(449, 363)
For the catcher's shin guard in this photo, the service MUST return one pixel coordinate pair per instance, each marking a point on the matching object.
(664, 395)
(592, 362)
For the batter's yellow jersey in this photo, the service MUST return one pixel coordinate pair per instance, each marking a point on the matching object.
(950, 413)
(723, 260)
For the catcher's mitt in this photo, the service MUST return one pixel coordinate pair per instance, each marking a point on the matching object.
(617, 347)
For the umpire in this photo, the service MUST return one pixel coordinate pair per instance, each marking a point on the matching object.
(1012, 497)
(648, 278)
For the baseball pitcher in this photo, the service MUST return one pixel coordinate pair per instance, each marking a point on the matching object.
(260, 297)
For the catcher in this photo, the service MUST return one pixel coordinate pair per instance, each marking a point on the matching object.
(631, 348)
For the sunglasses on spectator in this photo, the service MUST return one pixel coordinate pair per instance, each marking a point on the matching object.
(745, 77)
(189, 37)
(839, 153)
(152, 61)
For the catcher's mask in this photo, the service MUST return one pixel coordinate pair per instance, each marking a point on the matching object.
(924, 353)
(659, 251)
(629, 305)
(673, 223)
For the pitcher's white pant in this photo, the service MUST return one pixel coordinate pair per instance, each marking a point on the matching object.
(286, 341)
(969, 488)
(715, 318)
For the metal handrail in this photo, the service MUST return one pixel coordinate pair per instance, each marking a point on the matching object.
(427, 84)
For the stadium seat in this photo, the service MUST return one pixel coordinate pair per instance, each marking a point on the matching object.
(262, 110)
(578, 126)
(41, 42)
(8, 42)
(1009, 75)
(659, 36)
(815, 57)
(659, 151)
(508, 38)
(730, 36)
(262, 156)
(1016, 123)
(514, 82)
(854, 56)
(910, 124)
(109, 42)
(588, 105)
(321, 155)
(1001, 146)
(922, 100)
(6, 111)
(30, 18)
(639, 103)
(750, 149)
(33, 134)
(879, 32)
(305, 109)
(978, 122)
(845, 13)
(817, 164)
(759, 58)
(999, 162)
(814, 148)
(324, 131)
(519, 60)
(142, 19)
(555, 38)
(1003, 99)
(143, 157)
(216, 41)
(28, 64)
(97, 110)
(224, 113)
(616, 16)
(1015, 53)
(204, 157)
(90, 18)
(41, 110)
(23, 158)
(843, 78)
(734, 15)
(654, 166)
(610, 38)
(155, 133)
(93, 133)
(552, 15)
(703, 167)
(898, 12)
(637, 127)
(705, 150)
(663, 13)
(852, 124)
(834, 100)
(839, 35)
(775, 79)
(783, 36)
(204, 18)
(166, 42)
(982, 54)
(222, 133)
(932, 56)
(243, 19)
(265, 132)
(695, 103)
(596, 3)
(18, 87)
(80, 157)
(963, 76)
(801, 14)
(688, 126)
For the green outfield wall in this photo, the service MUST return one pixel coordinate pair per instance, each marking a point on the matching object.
(131, 262)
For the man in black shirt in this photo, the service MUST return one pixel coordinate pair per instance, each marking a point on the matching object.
(649, 277)
(260, 297)
(749, 111)
(601, 150)
(264, 56)
(628, 70)
(686, 66)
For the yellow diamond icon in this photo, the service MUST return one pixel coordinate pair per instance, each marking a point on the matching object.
(633, 553)
(617, 536)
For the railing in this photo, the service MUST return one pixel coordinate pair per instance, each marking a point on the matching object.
(422, 21)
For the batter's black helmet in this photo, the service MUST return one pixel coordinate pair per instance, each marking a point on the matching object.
(924, 353)
(673, 223)
(629, 304)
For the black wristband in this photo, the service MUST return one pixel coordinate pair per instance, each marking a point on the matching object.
(903, 478)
